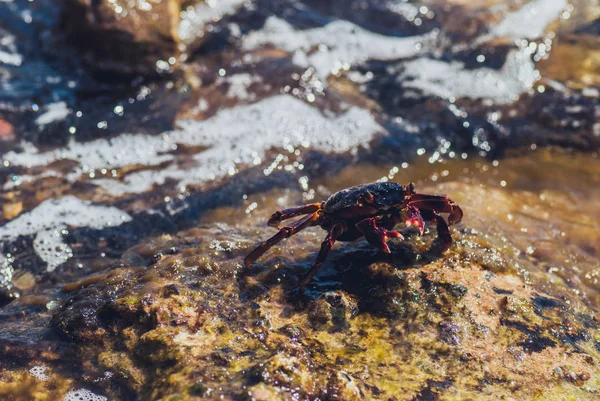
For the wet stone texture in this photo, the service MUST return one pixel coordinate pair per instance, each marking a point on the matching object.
(178, 317)
(194, 324)
(134, 34)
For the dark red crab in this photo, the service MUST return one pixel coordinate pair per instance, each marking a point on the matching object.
(369, 210)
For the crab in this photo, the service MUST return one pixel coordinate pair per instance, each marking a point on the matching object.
(369, 210)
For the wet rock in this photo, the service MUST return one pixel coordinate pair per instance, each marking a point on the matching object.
(433, 390)
(566, 373)
(212, 335)
(593, 28)
(333, 308)
(263, 392)
(283, 371)
(12, 210)
(7, 295)
(169, 290)
(156, 347)
(123, 368)
(344, 386)
(125, 38)
(575, 60)
(449, 333)
(23, 385)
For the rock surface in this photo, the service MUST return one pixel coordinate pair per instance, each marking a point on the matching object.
(123, 37)
(195, 325)
(178, 317)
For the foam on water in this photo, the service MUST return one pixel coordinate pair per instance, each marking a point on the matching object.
(237, 136)
(528, 22)
(40, 372)
(518, 74)
(53, 112)
(452, 80)
(120, 151)
(6, 270)
(48, 221)
(82, 394)
(10, 58)
(8, 50)
(197, 16)
(339, 43)
(238, 86)
(407, 10)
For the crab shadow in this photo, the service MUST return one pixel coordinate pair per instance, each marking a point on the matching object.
(355, 269)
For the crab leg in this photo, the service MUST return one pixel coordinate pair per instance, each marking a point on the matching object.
(326, 246)
(439, 203)
(285, 214)
(285, 232)
(376, 236)
(442, 228)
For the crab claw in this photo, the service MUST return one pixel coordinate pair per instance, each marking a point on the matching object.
(377, 236)
(416, 221)
(384, 237)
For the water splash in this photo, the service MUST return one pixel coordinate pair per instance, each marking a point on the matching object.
(339, 43)
(47, 222)
(233, 137)
(453, 80)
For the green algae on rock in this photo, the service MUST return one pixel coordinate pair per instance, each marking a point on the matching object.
(397, 327)
(508, 311)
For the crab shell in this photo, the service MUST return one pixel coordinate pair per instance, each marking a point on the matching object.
(384, 195)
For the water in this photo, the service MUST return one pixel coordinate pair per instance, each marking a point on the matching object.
(108, 149)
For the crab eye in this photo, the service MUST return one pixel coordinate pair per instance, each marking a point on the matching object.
(411, 187)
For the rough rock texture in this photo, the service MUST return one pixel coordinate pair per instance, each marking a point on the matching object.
(510, 310)
(194, 324)
(124, 37)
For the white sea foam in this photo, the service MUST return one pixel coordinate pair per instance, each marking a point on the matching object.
(48, 220)
(10, 58)
(83, 395)
(53, 112)
(518, 75)
(6, 270)
(407, 10)
(8, 50)
(529, 21)
(452, 80)
(40, 372)
(238, 86)
(197, 16)
(339, 43)
(235, 136)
